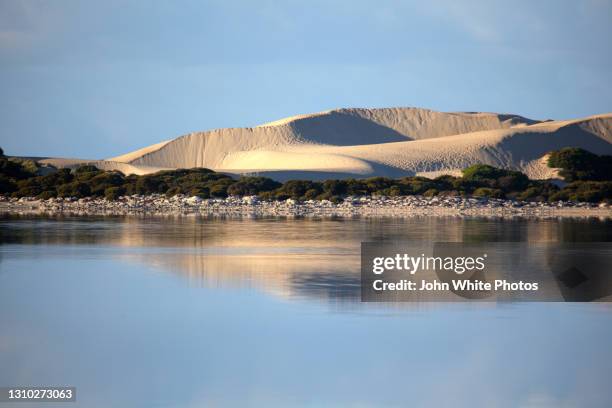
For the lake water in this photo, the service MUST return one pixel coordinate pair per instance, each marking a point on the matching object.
(198, 312)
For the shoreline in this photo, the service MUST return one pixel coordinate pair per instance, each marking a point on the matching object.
(406, 206)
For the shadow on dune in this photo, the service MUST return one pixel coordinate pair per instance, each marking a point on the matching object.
(341, 129)
(378, 170)
(533, 145)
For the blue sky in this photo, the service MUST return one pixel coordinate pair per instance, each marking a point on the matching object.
(95, 79)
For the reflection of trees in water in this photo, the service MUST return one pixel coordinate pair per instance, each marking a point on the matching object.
(283, 274)
(290, 257)
(330, 286)
(591, 230)
(56, 229)
(536, 230)
(197, 231)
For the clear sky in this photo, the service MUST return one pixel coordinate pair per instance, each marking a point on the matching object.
(92, 79)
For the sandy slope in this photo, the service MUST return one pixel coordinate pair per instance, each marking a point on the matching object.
(128, 157)
(520, 148)
(367, 142)
(125, 168)
(343, 127)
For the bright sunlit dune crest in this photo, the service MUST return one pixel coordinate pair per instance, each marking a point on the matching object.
(128, 157)
(263, 160)
(293, 118)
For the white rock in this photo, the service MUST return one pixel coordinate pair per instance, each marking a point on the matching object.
(193, 200)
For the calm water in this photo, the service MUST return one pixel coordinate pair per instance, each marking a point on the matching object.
(192, 312)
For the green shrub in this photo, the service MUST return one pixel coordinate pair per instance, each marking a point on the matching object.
(147, 185)
(536, 191)
(45, 195)
(335, 187)
(296, 189)
(464, 186)
(431, 192)
(7, 185)
(356, 187)
(13, 169)
(375, 184)
(482, 172)
(27, 191)
(445, 182)
(113, 178)
(311, 194)
(113, 193)
(86, 173)
(579, 164)
(217, 191)
(86, 169)
(202, 192)
(450, 193)
(336, 199)
(62, 176)
(393, 191)
(267, 195)
(530, 193)
(488, 192)
(513, 181)
(247, 186)
(29, 166)
(483, 175)
(280, 195)
(589, 191)
(75, 189)
(562, 195)
(172, 191)
(218, 188)
(324, 196)
(103, 181)
(415, 185)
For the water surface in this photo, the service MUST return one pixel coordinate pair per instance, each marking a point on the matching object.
(193, 311)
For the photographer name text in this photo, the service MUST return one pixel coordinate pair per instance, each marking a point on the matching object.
(455, 284)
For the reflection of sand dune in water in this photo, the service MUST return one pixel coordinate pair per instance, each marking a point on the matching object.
(284, 275)
(314, 258)
(323, 235)
(368, 142)
(321, 276)
(302, 258)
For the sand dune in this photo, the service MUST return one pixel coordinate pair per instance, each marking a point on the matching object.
(368, 142)
(125, 168)
(258, 160)
(519, 148)
(128, 157)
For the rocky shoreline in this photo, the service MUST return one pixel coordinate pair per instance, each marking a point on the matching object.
(376, 206)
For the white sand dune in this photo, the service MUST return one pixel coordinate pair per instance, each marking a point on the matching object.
(368, 142)
(518, 148)
(125, 168)
(261, 160)
(128, 157)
